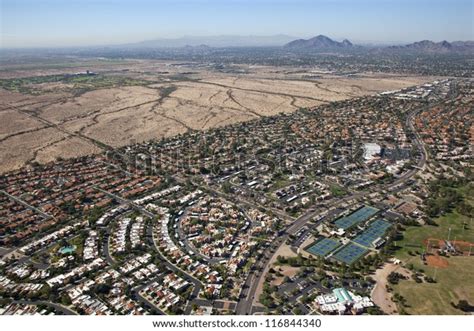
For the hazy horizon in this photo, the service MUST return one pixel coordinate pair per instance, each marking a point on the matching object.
(52, 23)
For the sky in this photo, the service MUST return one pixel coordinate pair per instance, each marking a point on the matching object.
(64, 23)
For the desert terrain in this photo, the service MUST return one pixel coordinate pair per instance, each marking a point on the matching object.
(58, 110)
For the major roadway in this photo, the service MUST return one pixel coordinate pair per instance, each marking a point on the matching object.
(246, 303)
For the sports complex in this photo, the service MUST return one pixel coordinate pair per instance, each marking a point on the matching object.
(370, 235)
(350, 253)
(354, 248)
(323, 247)
(360, 215)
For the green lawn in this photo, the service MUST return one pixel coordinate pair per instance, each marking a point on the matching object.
(76, 241)
(79, 243)
(280, 183)
(454, 283)
(414, 236)
(337, 190)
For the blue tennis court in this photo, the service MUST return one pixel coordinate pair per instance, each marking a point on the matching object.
(350, 253)
(323, 247)
(375, 230)
(360, 215)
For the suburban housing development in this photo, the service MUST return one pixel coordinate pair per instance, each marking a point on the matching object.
(335, 208)
(236, 164)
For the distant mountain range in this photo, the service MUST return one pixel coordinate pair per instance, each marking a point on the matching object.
(318, 42)
(215, 41)
(443, 46)
(322, 43)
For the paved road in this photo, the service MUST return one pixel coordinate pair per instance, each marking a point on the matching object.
(245, 304)
(27, 259)
(241, 200)
(197, 285)
(147, 303)
(58, 307)
(196, 282)
(218, 304)
(189, 247)
(128, 202)
(106, 248)
(27, 205)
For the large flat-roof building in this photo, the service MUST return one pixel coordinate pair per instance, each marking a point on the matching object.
(340, 300)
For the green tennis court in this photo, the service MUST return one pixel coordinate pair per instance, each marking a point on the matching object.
(375, 230)
(323, 247)
(350, 253)
(360, 215)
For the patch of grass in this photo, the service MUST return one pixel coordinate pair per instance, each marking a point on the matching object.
(76, 241)
(248, 265)
(452, 284)
(413, 237)
(79, 244)
(337, 191)
(53, 253)
(277, 185)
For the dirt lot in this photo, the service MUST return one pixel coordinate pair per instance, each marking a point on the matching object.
(437, 261)
(380, 295)
(136, 100)
(286, 271)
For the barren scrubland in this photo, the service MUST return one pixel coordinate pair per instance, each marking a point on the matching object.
(49, 111)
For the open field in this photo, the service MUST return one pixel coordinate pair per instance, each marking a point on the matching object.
(452, 284)
(416, 238)
(49, 111)
(453, 226)
(452, 274)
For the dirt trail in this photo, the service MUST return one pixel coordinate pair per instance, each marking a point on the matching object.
(232, 97)
(380, 296)
(261, 91)
(162, 112)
